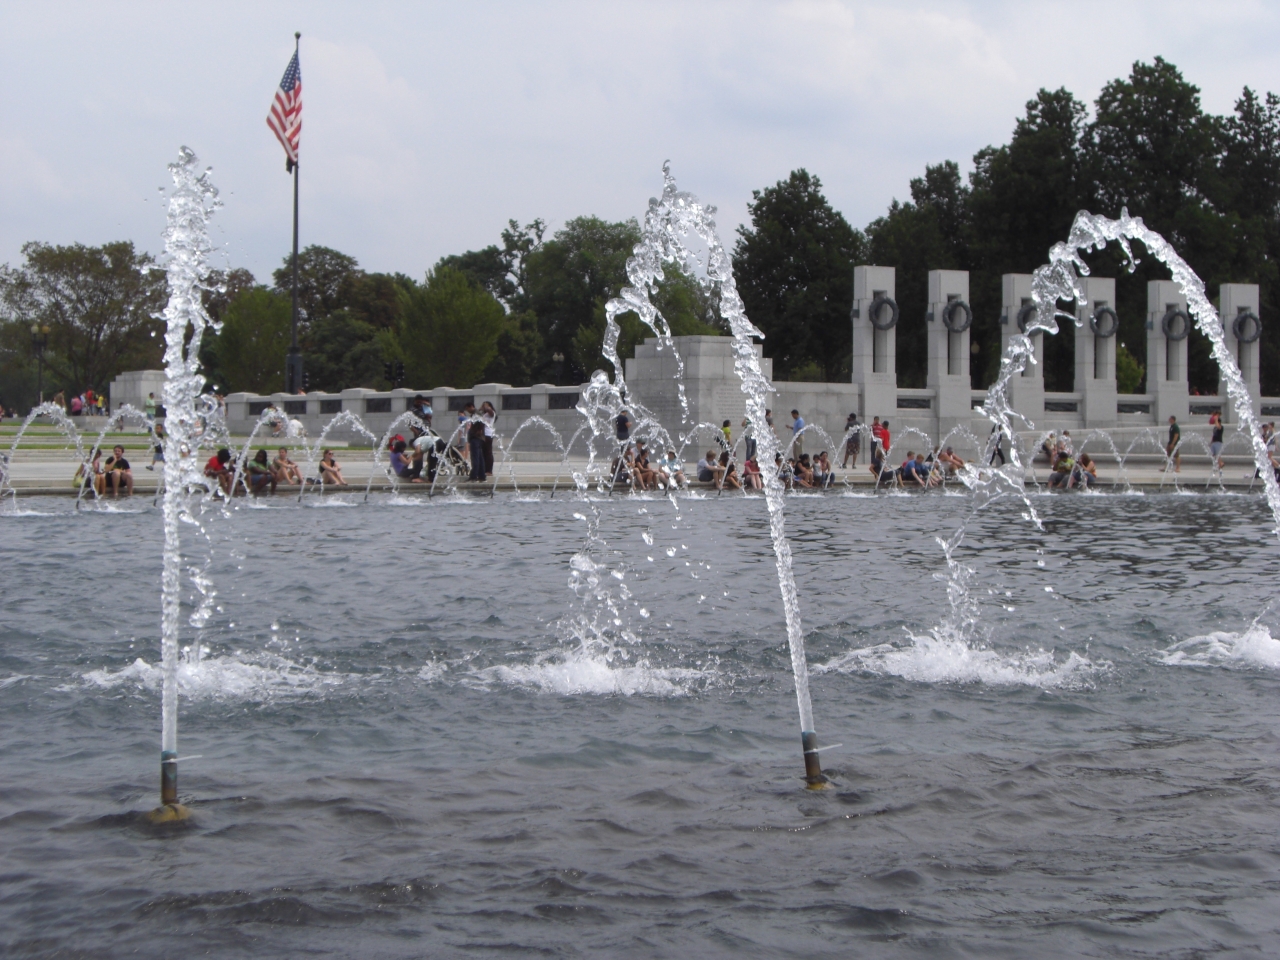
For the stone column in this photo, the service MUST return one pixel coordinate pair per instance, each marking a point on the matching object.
(1026, 392)
(948, 323)
(1096, 351)
(1240, 323)
(875, 367)
(1168, 324)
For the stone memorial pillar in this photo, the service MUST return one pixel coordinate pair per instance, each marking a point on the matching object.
(1168, 324)
(1239, 311)
(1096, 351)
(948, 323)
(875, 319)
(1026, 392)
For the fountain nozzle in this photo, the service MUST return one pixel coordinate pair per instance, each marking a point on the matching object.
(170, 810)
(812, 766)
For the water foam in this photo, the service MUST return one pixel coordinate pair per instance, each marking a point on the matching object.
(1253, 647)
(938, 658)
(232, 677)
(579, 673)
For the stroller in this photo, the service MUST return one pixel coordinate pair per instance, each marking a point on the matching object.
(440, 456)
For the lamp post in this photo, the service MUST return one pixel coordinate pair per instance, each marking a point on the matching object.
(39, 340)
(558, 359)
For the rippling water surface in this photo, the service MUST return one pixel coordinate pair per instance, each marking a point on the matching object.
(400, 746)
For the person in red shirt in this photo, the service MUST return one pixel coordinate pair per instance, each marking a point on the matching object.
(217, 467)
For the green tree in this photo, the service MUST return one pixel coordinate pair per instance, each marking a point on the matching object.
(502, 271)
(568, 278)
(325, 281)
(374, 298)
(680, 299)
(929, 233)
(1152, 148)
(99, 303)
(1023, 198)
(794, 270)
(1129, 372)
(345, 352)
(519, 352)
(448, 330)
(251, 348)
(1251, 184)
(222, 288)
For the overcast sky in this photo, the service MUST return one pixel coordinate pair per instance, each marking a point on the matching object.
(427, 126)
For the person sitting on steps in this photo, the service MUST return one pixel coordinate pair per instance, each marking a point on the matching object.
(286, 470)
(217, 469)
(259, 473)
(709, 470)
(118, 472)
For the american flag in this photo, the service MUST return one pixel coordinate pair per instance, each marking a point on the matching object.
(285, 118)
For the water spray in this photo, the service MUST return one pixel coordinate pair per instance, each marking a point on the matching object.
(668, 220)
(187, 249)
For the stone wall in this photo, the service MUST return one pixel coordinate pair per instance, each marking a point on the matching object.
(944, 408)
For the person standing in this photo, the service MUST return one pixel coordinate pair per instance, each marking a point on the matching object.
(797, 433)
(475, 443)
(489, 415)
(157, 452)
(622, 428)
(997, 448)
(1171, 448)
(1215, 440)
(149, 405)
(852, 441)
(749, 434)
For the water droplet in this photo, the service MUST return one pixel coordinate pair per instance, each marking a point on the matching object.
(671, 551)
(1048, 589)
(647, 537)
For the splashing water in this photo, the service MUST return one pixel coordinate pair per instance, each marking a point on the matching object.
(669, 220)
(1253, 647)
(187, 247)
(264, 677)
(1051, 283)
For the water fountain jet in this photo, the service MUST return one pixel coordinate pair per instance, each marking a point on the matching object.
(187, 247)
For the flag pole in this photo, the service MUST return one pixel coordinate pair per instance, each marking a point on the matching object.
(293, 363)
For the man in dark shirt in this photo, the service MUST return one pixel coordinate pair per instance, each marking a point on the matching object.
(1175, 437)
(118, 472)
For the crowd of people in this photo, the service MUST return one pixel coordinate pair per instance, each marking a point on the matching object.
(419, 457)
(263, 473)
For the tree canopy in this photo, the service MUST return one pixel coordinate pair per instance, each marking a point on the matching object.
(794, 271)
(1209, 184)
(448, 329)
(98, 303)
